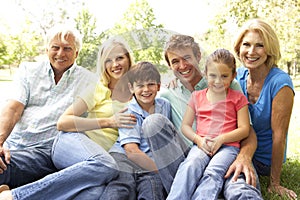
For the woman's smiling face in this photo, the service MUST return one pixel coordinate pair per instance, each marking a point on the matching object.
(117, 63)
(252, 51)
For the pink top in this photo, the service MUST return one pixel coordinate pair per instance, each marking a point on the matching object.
(217, 118)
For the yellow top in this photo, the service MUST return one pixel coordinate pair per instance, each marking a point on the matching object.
(100, 105)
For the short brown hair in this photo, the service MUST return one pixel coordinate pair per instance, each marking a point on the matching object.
(179, 41)
(143, 71)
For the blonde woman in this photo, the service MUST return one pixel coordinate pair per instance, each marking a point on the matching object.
(271, 96)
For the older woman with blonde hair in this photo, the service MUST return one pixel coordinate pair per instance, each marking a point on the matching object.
(271, 96)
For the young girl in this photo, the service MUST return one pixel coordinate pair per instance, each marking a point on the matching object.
(222, 121)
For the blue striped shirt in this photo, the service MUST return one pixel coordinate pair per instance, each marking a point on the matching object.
(44, 101)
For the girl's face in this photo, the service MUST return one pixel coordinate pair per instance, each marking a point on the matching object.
(252, 51)
(219, 77)
(117, 63)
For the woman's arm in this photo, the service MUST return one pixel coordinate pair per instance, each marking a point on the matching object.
(282, 106)
(243, 162)
(71, 119)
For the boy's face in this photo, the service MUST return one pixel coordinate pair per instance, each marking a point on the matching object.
(145, 92)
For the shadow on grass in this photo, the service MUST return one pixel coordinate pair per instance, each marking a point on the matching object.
(290, 178)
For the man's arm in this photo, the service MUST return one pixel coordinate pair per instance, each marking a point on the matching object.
(10, 115)
(243, 162)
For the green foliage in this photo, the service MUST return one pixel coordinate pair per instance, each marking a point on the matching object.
(3, 51)
(282, 15)
(145, 38)
(86, 24)
(16, 48)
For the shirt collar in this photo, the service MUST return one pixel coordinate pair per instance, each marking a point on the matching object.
(199, 86)
(135, 107)
(69, 71)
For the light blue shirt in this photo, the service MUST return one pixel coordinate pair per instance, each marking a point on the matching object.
(135, 135)
(44, 101)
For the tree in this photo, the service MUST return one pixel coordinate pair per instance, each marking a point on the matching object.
(3, 51)
(144, 36)
(282, 15)
(86, 24)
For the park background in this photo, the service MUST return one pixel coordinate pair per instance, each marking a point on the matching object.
(146, 25)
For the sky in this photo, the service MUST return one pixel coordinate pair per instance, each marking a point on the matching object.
(187, 17)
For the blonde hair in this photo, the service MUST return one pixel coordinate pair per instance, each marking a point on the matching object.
(103, 53)
(63, 32)
(269, 37)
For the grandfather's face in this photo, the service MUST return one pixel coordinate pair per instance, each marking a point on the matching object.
(62, 54)
(184, 64)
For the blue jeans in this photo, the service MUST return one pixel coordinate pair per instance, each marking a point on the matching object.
(84, 167)
(169, 150)
(28, 165)
(200, 176)
(262, 169)
(133, 182)
(167, 147)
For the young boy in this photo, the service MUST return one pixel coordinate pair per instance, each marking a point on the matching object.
(138, 174)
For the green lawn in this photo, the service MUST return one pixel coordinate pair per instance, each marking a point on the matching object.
(290, 177)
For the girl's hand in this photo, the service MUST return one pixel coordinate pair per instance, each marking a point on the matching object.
(202, 144)
(214, 144)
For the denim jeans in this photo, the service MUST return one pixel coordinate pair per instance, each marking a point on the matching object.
(169, 150)
(133, 182)
(167, 147)
(28, 165)
(84, 167)
(200, 176)
(262, 169)
(241, 190)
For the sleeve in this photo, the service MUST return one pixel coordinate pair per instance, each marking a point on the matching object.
(20, 91)
(279, 81)
(94, 94)
(131, 135)
(235, 85)
(241, 100)
(191, 101)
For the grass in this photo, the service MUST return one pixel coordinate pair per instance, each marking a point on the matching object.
(290, 177)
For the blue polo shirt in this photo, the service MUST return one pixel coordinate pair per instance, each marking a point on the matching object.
(136, 135)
